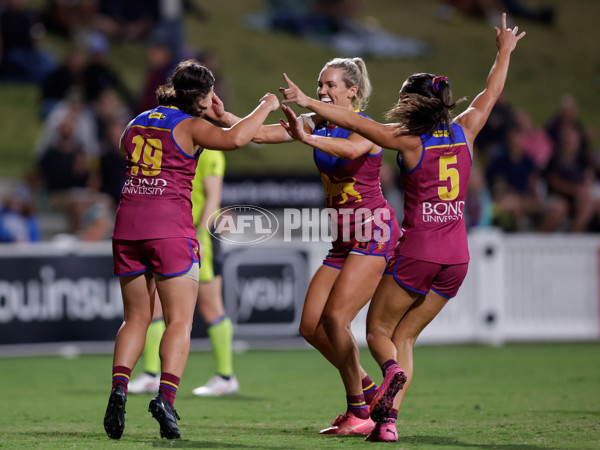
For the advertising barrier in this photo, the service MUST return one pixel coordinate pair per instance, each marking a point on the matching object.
(265, 290)
(49, 293)
(53, 294)
(518, 288)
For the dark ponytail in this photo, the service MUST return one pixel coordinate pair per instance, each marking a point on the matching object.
(424, 105)
(191, 81)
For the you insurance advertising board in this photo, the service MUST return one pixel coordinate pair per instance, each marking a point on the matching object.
(50, 294)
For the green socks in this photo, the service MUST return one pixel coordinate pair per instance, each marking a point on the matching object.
(220, 333)
(151, 354)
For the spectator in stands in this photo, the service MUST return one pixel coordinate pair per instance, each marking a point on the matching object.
(65, 78)
(84, 121)
(572, 182)
(170, 26)
(536, 142)
(107, 108)
(69, 17)
(512, 178)
(517, 8)
(97, 74)
(567, 115)
(139, 20)
(21, 56)
(314, 17)
(160, 64)
(18, 220)
(73, 185)
(491, 10)
(126, 20)
(515, 186)
(289, 16)
(491, 138)
(112, 161)
(334, 24)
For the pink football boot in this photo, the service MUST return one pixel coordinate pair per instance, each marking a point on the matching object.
(384, 400)
(383, 432)
(347, 424)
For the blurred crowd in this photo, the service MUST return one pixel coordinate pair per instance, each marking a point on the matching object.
(525, 178)
(84, 104)
(491, 10)
(536, 178)
(337, 25)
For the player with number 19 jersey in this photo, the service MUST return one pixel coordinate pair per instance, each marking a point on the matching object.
(435, 191)
(156, 198)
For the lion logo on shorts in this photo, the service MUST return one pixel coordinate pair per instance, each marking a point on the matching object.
(340, 186)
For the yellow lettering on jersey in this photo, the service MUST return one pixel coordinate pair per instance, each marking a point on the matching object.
(147, 155)
(448, 172)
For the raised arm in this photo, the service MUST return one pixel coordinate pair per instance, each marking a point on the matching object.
(350, 148)
(241, 133)
(384, 135)
(474, 118)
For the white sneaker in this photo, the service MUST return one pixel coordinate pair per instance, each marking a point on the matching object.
(144, 384)
(218, 385)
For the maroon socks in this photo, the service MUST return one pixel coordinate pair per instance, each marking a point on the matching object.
(169, 384)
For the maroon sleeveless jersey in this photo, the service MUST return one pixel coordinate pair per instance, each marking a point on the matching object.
(352, 187)
(155, 200)
(434, 227)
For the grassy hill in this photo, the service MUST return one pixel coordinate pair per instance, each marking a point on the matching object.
(548, 63)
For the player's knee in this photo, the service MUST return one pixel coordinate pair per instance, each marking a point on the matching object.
(375, 334)
(333, 322)
(179, 324)
(371, 338)
(138, 320)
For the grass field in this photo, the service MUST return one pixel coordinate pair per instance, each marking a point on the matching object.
(548, 63)
(513, 397)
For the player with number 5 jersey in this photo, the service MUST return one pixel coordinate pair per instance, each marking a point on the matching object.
(435, 191)
(431, 259)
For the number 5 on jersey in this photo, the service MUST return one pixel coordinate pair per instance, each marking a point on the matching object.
(147, 155)
(448, 172)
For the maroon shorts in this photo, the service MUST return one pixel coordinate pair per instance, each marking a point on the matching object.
(168, 257)
(378, 245)
(422, 276)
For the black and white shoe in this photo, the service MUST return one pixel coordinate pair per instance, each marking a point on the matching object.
(166, 416)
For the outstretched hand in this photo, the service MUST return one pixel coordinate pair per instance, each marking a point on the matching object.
(507, 38)
(294, 126)
(293, 94)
